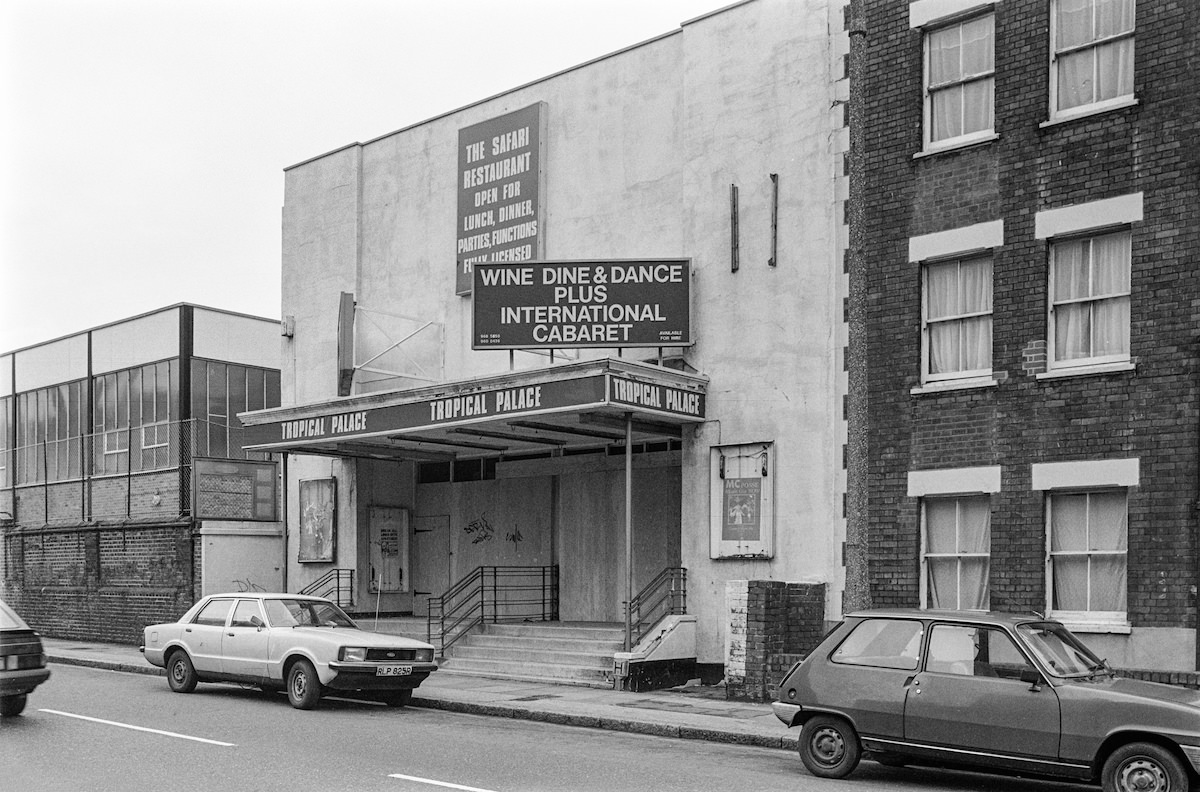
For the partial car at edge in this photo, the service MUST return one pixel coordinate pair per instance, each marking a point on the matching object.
(304, 645)
(22, 662)
(994, 692)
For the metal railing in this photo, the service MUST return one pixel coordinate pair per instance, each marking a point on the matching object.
(493, 594)
(336, 585)
(664, 596)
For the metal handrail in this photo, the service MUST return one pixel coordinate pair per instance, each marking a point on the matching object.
(336, 585)
(664, 596)
(492, 594)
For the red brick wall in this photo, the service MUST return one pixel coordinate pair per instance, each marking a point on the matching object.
(1150, 413)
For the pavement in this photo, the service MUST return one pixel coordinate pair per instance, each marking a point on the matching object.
(692, 712)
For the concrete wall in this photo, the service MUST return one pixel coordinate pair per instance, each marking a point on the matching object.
(642, 148)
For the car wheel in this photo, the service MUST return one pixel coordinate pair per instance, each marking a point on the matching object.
(304, 688)
(1144, 767)
(181, 674)
(398, 698)
(829, 747)
(12, 705)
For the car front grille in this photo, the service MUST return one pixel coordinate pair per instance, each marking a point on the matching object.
(391, 655)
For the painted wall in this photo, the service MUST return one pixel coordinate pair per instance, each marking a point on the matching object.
(642, 149)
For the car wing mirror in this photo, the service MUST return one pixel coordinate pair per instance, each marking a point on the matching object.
(258, 623)
(1033, 677)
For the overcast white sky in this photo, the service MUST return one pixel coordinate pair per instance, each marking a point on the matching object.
(144, 141)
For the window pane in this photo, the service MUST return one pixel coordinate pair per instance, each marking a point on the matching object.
(217, 398)
(256, 395)
(166, 390)
(1107, 521)
(975, 525)
(1114, 70)
(146, 395)
(1075, 85)
(973, 581)
(199, 395)
(945, 55)
(977, 106)
(941, 525)
(1108, 583)
(1071, 270)
(943, 583)
(1073, 22)
(273, 389)
(883, 643)
(1070, 583)
(122, 399)
(1072, 331)
(947, 113)
(1114, 17)
(237, 392)
(977, 48)
(1068, 518)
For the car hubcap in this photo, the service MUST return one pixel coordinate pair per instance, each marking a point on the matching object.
(299, 684)
(828, 747)
(177, 672)
(1142, 775)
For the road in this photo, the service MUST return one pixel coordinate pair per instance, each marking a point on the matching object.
(89, 729)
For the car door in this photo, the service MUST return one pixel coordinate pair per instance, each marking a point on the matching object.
(245, 642)
(204, 634)
(970, 696)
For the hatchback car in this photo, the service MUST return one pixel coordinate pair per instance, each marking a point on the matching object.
(993, 692)
(22, 662)
(305, 645)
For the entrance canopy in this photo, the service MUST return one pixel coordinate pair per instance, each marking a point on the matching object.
(566, 406)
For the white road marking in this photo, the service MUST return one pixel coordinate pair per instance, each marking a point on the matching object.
(138, 728)
(439, 783)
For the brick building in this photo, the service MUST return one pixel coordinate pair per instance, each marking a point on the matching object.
(1029, 314)
(124, 490)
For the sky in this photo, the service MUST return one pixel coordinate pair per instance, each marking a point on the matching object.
(144, 141)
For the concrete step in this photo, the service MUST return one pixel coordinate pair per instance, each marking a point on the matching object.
(525, 671)
(517, 654)
(549, 644)
(584, 630)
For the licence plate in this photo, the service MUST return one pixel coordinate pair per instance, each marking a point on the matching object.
(393, 670)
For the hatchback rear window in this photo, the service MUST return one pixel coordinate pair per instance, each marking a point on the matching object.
(883, 643)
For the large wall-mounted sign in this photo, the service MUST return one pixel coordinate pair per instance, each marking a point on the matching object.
(577, 304)
(499, 191)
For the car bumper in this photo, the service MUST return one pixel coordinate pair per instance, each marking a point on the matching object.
(14, 683)
(785, 712)
(363, 676)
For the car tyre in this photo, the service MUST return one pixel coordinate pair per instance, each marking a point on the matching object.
(181, 674)
(12, 705)
(1144, 767)
(829, 747)
(303, 688)
(398, 698)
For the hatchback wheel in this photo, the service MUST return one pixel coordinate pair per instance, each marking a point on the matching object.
(181, 674)
(1144, 767)
(829, 747)
(304, 688)
(12, 705)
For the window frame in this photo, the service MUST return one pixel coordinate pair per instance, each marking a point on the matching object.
(925, 555)
(927, 376)
(1091, 108)
(1053, 363)
(1119, 619)
(929, 145)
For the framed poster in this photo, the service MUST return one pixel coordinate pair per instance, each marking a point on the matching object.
(390, 539)
(742, 505)
(318, 521)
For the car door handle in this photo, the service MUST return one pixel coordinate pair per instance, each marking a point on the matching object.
(230, 634)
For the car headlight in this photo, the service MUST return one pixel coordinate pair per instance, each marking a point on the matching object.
(423, 656)
(354, 654)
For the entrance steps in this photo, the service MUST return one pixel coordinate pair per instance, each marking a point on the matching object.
(415, 627)
(561, 653)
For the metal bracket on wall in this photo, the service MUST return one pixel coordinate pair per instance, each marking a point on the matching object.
(733, 228)
(774, 220)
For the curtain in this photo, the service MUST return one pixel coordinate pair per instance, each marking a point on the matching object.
(961, 529)
(1072, 321)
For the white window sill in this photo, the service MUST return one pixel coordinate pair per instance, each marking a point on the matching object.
(1086, 111)
(1097, 628)
(1085, 371)
(967, 383)
(955, 144)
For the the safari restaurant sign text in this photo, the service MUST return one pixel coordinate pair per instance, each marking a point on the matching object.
(575, 304)
(499, 191)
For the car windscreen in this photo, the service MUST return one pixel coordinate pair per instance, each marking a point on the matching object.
(306, 613)
(1058, 648)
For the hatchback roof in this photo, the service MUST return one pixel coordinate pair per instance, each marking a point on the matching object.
(974, 617)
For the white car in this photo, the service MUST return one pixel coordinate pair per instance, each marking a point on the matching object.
(305, 645)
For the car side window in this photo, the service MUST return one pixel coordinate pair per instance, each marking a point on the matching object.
(243, 612)
(964, 650)
(214, 613)
(882, 643)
